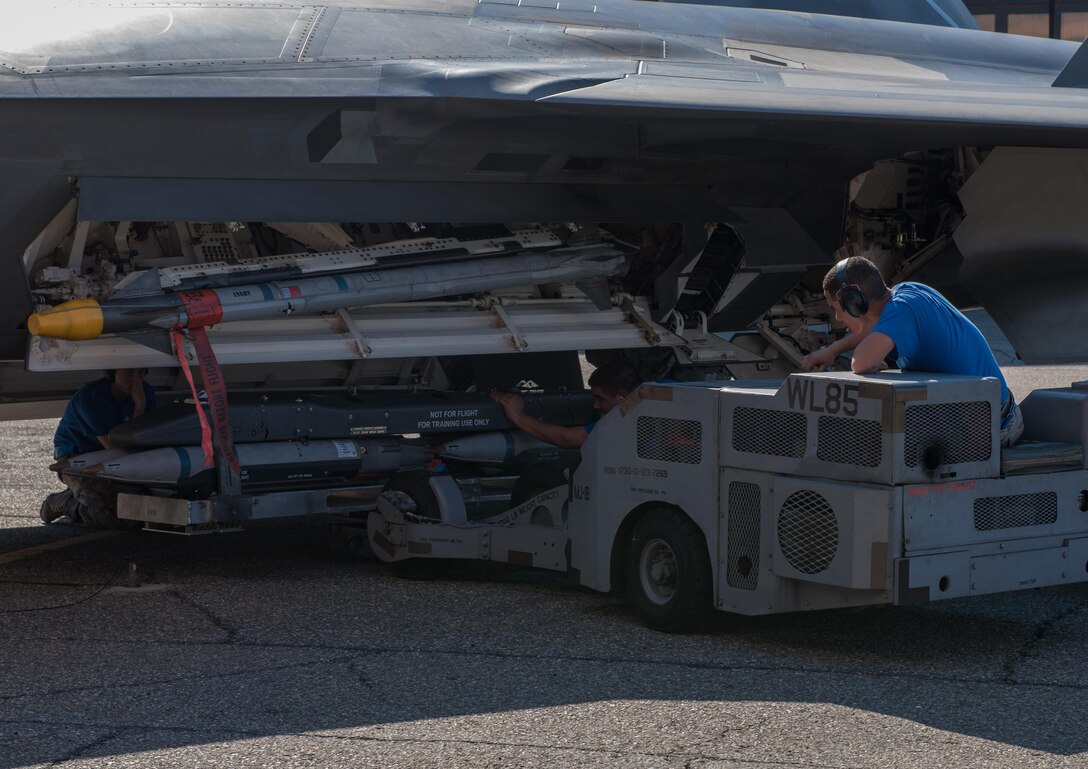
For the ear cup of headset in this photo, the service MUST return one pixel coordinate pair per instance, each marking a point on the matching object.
(853, 301)
(849, 295)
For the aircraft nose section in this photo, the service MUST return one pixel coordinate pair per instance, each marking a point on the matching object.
(75, 320)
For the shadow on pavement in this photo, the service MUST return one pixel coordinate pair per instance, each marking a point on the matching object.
(271, 632)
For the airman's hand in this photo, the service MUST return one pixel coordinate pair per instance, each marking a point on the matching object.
(513, 405)
(818, 360)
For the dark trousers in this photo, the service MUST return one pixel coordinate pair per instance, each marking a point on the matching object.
(88, 501)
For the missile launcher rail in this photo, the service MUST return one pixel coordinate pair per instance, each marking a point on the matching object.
(502, 324)
(462, 244)
(587, 265)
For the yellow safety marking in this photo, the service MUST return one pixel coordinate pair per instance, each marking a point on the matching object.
(29, 552)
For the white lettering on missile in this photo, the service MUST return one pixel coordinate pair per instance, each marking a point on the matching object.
(447, 418)
(370, 430)
(345, 450)
(454, 413)
(465, 420)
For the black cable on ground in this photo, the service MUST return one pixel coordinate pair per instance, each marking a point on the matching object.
(72, 603)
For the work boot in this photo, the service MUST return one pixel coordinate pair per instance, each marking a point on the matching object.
(53, 507)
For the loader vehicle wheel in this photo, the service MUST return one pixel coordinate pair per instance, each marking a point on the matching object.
(667, 571)
(415, 484)
(536, 478)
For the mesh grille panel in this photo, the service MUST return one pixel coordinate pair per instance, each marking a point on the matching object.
(1016, 511)
(669, 440)
(214, 243)
(743, 531)
(849, 441)
(764, 431)
(808, 532)
(938, 434)
(220, 251)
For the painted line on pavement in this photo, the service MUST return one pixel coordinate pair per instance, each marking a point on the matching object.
(30, 552)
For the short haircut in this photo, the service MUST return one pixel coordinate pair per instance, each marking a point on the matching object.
(616, 375)
(860, 272)
(111, 373)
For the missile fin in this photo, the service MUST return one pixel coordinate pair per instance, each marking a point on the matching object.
(156, 338)
(596, 289)
(143, 283)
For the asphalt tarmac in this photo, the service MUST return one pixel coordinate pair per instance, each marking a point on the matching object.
(270, 648)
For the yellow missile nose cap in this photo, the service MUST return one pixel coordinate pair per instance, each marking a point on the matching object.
(74, 320)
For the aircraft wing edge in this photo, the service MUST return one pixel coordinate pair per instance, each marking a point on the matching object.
(1027, 108)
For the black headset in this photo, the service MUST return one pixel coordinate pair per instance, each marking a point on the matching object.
(850, 296)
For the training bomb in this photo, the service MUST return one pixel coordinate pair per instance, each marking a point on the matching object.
(284, 417)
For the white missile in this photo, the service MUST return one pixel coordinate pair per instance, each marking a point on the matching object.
(267, 465)
(78, 462)
(81, 319)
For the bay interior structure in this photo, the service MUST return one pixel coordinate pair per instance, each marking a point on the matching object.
(729, 151)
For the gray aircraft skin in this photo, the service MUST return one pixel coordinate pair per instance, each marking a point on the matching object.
(752, 113)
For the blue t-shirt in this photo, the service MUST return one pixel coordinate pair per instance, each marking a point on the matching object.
(932, 335)
(93, 411)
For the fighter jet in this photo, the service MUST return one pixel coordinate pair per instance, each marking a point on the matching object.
(731, 149)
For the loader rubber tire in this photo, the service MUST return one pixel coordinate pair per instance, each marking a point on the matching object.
(415, 484)
(667, 571)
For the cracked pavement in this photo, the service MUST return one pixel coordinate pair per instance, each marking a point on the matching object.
(270, 648)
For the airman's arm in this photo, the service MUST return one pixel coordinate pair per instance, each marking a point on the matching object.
(870, 354)
(558, 435)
